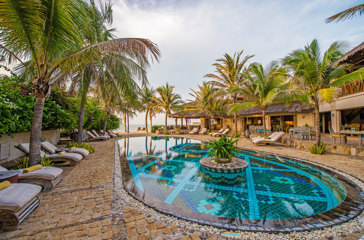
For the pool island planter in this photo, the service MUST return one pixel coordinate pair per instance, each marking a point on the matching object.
(351, 206)
(235, 166)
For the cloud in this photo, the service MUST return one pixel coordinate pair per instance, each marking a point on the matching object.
(193, 34)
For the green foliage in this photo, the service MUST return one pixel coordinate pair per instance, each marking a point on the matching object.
(235, 135)
(23, 164)
(95, 117)
(46, 162)
(318, 149)
(166, 133)
(223, 148)
(86, 146)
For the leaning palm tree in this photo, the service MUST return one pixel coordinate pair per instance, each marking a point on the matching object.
(45, 37)
(347, 14)
(318, 76)
(262, 88)
(228, 75)
(167, 100)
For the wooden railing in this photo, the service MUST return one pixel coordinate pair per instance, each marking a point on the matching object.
(353, 87)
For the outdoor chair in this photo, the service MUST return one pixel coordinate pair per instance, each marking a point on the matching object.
(49, 147)
(16, 202)
(46, 177)
(335, 136)
(194, 131)
(220, 131)
(92, 137)
(226, 131)
(108, 134)
(203, 131)
(72, 158)
(117, 134)
(97, 135)
(305, 133)
(275, 139)
(269, 137)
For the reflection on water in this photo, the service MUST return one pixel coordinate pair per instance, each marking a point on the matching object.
(168, 170)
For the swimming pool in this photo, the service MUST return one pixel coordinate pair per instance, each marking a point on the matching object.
(274, 192)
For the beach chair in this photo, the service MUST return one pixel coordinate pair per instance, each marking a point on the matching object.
(16, 202)
(92, 137)
(226, 131)
(117, 134)
(50, 148)
(72, 158)
(108, 134)
(194, 131)
(46, 177)
(220, 131)
(269, 137)
(275, 139)
(203, 131)
(97, 135)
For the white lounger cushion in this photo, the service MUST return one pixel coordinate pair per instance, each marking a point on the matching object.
(49, 147)
(275, 138)
(84, 152)
(47, 173)
(14, 197)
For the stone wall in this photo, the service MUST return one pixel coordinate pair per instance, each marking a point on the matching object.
(52, 136)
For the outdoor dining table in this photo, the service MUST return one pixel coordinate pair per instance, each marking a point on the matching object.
(348, 132)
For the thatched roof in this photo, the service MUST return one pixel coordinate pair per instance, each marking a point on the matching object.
(295, 107)
(355, 57)
(189, 115)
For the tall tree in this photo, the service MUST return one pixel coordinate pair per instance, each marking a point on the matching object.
(262, 88)
(317, 75)
(167, 100)
(347, 14)
(48, 34)
(228, 75)
(148, 103)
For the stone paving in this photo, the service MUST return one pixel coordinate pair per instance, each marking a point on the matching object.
(83, 205)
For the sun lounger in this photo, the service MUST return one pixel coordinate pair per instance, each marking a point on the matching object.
(203, 131)
(220, 131)
(16, 202)
(194, 131)
(275, 139)
(72, 158)
(118, 134)
(97, 135)
(95, 138)
(46, 177)
(49, 147)
(269, 137)
(109, 134)
(226, 131)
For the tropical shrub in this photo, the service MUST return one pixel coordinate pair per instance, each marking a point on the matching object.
(166, 133)
(236, 135)
(318, 149)
(23, 164)
(223, 149)
(46, 162)
(86, 146)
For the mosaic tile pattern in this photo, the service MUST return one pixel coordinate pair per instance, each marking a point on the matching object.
(270, 188)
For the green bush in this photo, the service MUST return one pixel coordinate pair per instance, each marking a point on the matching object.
(46, 162)
(166, 133)
(318, 149)
(86, 146)
(23, 164)
(236, 135)
(223, 148)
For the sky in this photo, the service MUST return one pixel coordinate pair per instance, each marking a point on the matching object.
(192, 34)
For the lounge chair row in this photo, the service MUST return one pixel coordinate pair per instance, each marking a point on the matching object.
(94, 136)
(203, 131)
(19, 199)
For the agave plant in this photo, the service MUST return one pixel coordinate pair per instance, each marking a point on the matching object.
(223, 150)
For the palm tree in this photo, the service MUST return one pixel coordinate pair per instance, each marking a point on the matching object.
(317, 75)
(228, 75)
(347, 14)
(48, 35)
(148, 103)
(167, 100)
(205, 98)
(262, 88)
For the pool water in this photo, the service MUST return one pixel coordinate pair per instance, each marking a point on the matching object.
(166, 171)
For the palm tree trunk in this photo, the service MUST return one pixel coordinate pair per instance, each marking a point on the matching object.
(80, 117)
(236, 122)
(36, 132)
(150, 120)
(146, 121)
(317, 122)
(175, 122)
(105, 123)
(165, 121)
(124, 122)
(264, 124)
(127, 116)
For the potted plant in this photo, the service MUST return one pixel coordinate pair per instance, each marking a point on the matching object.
(223, 149)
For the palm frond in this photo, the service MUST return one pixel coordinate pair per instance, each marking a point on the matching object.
(347, 14)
